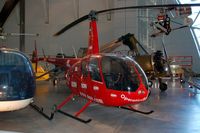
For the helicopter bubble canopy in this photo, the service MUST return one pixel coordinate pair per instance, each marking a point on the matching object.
(17, 80)
(120, 73)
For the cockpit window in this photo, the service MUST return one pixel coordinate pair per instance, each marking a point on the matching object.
(8, 59)
(16, 76)
(138, 70)
(120, 73)
(94, 69)
(84, 68)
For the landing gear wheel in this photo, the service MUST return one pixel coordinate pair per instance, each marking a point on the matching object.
(150, 83)
(55, 81)
(163, 87)
(182, 81)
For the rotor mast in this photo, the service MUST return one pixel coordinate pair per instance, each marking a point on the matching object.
(93, 43)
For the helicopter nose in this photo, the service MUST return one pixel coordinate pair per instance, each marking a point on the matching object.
(141, 92)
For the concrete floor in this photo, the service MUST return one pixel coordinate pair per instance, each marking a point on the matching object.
(176, 111)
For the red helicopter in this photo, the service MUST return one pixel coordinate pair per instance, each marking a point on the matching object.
(106, 79)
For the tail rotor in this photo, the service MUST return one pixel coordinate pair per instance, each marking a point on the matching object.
(35, 58)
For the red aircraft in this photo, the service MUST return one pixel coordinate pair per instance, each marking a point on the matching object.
(107, 79)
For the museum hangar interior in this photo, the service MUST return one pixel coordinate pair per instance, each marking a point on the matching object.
(109, 66)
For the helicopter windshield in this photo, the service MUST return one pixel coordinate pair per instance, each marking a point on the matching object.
(122, 73)
(16, 76)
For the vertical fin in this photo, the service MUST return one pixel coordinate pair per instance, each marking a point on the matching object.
(35, 57)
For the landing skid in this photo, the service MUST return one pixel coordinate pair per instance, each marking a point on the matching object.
(138, 111)
(74, 117)
(40, 110)
(58, 109)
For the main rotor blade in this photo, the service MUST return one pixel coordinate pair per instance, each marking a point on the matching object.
(147, 7)
(18, 34)
(72, 24)
(120, 8)
(6, 10)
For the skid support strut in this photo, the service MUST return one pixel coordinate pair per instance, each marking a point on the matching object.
(83, 108)
(64, 102)
(58, 109)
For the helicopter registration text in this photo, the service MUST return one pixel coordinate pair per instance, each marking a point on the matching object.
(91, 98)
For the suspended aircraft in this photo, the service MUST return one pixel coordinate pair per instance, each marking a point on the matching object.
(106, 79)
(163, 22)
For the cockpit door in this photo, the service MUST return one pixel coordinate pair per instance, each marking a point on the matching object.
(85, 84)
(97, 86)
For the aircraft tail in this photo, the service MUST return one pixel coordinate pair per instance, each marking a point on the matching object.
(35, 57)
(93, 44)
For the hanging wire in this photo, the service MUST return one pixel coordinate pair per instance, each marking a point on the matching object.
(196, 17)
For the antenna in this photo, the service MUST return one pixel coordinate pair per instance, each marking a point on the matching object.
(61, 50)
(74, 52)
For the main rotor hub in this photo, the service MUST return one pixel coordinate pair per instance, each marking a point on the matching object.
(93, 15)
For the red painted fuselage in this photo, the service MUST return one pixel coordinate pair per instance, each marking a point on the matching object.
(109, 80)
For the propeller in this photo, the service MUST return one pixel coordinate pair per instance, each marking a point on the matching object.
(161, 32)
(92, 13)
(111, 46)
(128, 40)
(3, 35)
